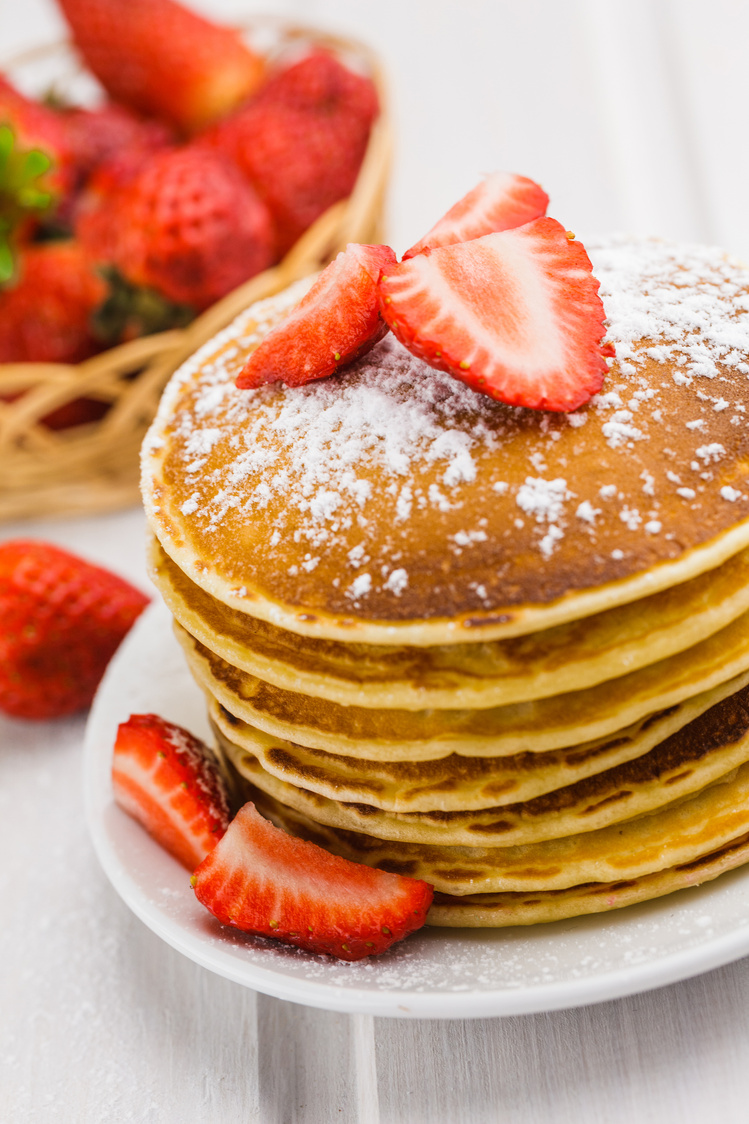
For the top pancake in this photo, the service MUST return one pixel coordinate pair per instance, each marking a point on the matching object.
(391, 503)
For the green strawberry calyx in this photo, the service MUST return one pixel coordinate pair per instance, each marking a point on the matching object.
(21, 193)
(130, 310)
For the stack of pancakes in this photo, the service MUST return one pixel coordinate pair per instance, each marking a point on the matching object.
(502, 650)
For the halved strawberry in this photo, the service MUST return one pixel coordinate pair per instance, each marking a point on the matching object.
(500, 202)
(515, 315)
(266, 882)
(169, 781)
(334, 323)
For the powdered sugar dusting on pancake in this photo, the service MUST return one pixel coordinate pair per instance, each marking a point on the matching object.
(356, 469)
(692, 300)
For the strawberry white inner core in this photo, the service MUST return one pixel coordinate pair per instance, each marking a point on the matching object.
(514, 320)
(283, 870)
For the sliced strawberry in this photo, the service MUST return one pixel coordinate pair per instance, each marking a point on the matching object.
(515, 315)
(169, 781)
(335, 322)
(266, 882)
(500, 202)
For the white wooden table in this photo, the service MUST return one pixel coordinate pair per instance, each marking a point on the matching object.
(633, 114)
(102, 1023)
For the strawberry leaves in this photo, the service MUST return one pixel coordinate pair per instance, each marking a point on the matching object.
(21, 193)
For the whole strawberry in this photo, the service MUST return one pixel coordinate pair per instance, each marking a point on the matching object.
(95, 136)
(188, 225)
(301, 140)
(46, 313)
(61, 620)
(94, 206)
(160, 58)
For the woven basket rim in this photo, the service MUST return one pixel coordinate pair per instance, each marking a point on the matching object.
(93, 467)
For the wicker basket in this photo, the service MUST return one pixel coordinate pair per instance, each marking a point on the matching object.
(94, 467)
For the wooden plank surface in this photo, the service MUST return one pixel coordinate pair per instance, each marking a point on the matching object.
(102, 1023)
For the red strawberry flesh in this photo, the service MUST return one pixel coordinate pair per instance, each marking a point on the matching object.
(263, 881)
(500, 202)
(169, 781)
(337, 321)
(515, 315)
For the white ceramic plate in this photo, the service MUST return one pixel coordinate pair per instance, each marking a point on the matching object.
(437, 973)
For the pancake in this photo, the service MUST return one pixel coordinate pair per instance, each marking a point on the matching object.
(502, 650)
(392, 504)
(537, 726)
(698, 755)
(678, 834)
(456, 783)
(500, 910)
(565, 658)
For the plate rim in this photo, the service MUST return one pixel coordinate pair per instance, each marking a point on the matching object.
(618, 983)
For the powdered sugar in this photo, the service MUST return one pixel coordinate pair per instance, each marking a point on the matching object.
(687, 298)
(714, 452)
(397, 581)
(587, 512)
(630, 517)
(360, 587)
(391, 426)
(544, 501)
(317, 445)
(345, 423)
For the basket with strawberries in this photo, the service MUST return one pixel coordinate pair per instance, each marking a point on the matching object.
(211, 174)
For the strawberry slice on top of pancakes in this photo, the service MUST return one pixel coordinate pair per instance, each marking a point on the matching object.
(497, 294)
